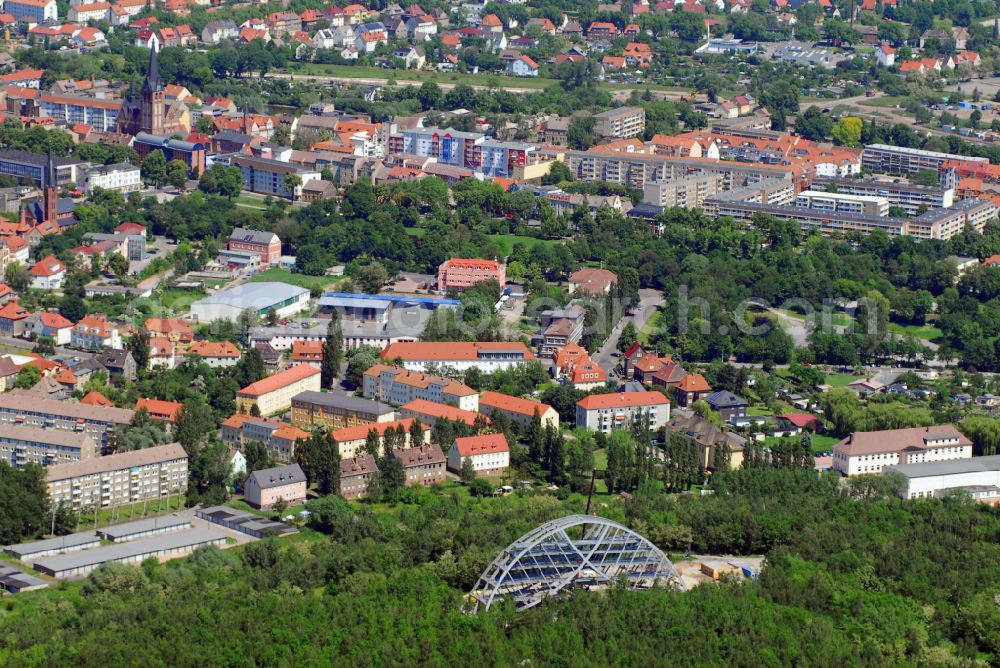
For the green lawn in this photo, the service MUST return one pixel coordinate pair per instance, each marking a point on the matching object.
(840, 379)
(820, 442)
(129, 513)
(363, 72)
(417, 232)
(651, 326)
(927, 332)
(507, 241)
(760, 411)
(301, 280)
(249, 202)
(888, 101)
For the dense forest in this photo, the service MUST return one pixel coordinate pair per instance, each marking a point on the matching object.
(852, 578)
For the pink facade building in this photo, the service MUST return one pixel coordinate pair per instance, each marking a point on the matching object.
(265, 244)
(265, 487)
(461, 273)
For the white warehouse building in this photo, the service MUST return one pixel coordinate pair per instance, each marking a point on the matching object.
(872, 451)
(280, 298)
(979, 477)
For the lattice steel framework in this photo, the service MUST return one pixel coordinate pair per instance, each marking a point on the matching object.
(574, 551)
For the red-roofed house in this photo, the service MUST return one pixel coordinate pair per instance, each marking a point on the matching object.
(489, 453)
(308, 352)
(162, 353)
(429, 412)
(274, 394)
(165, 411)
(48, 274)
(523, 66)
(607, 412)
(95, 398)
(216, 355)
(691, 388)
(461, 273)
(54, 326)
(521, 411)
(13, 318)
(885, 55)
(592, 281)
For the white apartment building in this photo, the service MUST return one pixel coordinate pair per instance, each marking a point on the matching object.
(399, 386)
(866, 205)
(871, 451)
(122, 177)
(489, 453)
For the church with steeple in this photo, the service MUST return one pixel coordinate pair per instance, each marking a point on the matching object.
(148, 112)
(50, 213)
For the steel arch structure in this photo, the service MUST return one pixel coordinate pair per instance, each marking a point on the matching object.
(548, 560)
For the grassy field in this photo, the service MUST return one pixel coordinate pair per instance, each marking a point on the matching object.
(927, 332)
(507, 241)
(820, 442)
(362, 72)
(249, 202)
(129, 513)
(840, 379)
(888, 101)
(301, 280)
(651, 326)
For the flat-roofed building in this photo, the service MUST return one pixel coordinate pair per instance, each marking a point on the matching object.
(487, 356)
(98, 422)
(979, 477)
(607, 412)
(273, 395)
(262, 298)
(907, 196)
(335, 411)
(400, 386)
(620, 123)
(901, 160)
(27, 165)
(36, 549)
(687, 193)
(867, 205)
(872, 451)
(120, 479)
(518, 410)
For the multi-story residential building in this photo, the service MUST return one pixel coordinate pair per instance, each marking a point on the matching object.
(490, 454)
(13, 318)
(217, 355)
(687, 193)
(120, 479)
(505, 158)
(865, 205)
(450, 147)
(273, 395)
(518, 410)
(460, 273)
(98, 422)
(95, 333)
(158, 409)
(944, 224)
(978, 477)
(729, 406)
(607, 412)
(907, 196)
(308, 352)
(192, 154)
(351, 441)
(327, 409)
(48, 274)
(429, 412)
(54, 326)
(424, 465)
(278, 437)
(268, 177)
(267, 245)
(264, 488)
(91, 11)
(22, 444)
(872, 451)
(27, 165)
(355, 474)
(573, 366)
(900, 160)
(122, 177)
(32, 11)
(486, 356)
(620, 123)
(591, 281)
(399, 386)
(68, 110)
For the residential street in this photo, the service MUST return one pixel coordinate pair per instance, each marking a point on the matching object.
(649, 302)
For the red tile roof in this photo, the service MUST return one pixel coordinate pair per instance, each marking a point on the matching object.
(159, 409)
(279, 380)
(48, 266)
(440, 411)
(95, 398)
(694, 382)
(450, 350)
(623, 399)
(214, 349)
(506, 402)
(359, 432)
(470, 446)
(54, 320)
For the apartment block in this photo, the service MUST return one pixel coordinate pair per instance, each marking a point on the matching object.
(424, 465)
(687, 193)
(460, 273)
(608, 412)
(351, 441)
(98, 422)
(399, 386)
(620, 123)
(21, 445)
(121, 479)
(274, 394)
(518, 410)
(907, 196)
(865, 205)
(449, 146)
(335, 411)
(487, 356)
(899, 160)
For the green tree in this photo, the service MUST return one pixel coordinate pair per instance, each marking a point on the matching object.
(27, 377)
(371, 277)
(138, 345)
(467, 473)
(847, 131)
(333, 351)
(177, 173)
(154, 168)
(580, 132)
(17, 277)
(72, 307)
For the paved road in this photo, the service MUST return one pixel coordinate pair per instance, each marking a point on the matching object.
(649, 301)
(10, 344)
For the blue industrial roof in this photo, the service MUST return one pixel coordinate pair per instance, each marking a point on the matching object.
(328, 299)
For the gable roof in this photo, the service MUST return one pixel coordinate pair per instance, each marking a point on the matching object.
(279, 380)
(470, 446)
(622, 400)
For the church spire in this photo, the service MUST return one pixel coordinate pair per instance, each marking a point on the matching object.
(152, 83)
